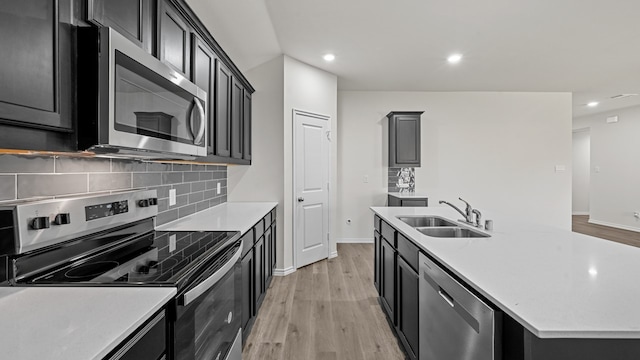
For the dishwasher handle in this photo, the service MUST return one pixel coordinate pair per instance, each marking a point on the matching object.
(443, 294)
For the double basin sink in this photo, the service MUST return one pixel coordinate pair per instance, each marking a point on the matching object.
(440, 227)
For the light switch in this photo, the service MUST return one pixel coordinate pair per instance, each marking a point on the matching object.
(172, 197)
(560, 168)
(218, 189)
(365, 179)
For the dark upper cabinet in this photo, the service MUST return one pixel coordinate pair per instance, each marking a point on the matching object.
(203, 70)
(237, 95)
(404, 138)
(174, 37)
(36, 67)
(222, 128)
(131, 18)
(407, 285)
(246, 125)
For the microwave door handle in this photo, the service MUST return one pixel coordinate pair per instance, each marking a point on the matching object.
(197, 139)
(209, 282)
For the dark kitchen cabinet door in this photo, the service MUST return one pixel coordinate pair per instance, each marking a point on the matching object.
(174, 37)
(246, 125)
(388, 279)
(131, 18)
(268, 251)
(273, 247)
(258, 254)
(222, 128)
(248, 309)
(203, 75)
(36, 64)
(237, 95)
(404, 139)
(407, 282)
(376, 261)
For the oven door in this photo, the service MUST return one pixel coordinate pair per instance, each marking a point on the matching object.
(208, 313)
(149, 106)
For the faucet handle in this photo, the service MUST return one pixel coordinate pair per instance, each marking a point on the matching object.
(478, 217)
(469, 208)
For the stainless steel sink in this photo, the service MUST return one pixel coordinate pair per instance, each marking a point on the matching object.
(426, 221)
(451, 232)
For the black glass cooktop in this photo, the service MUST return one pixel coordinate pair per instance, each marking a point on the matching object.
(157, 257)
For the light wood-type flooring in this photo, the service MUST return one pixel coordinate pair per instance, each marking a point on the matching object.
(325, 311)
(580, 224)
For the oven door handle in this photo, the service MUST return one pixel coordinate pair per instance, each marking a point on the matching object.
(209, 282)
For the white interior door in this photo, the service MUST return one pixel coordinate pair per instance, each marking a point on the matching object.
(311, 187)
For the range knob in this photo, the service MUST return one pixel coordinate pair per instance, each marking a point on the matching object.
(153, 201)
(143, 203)
(41, 222)
(62, 219)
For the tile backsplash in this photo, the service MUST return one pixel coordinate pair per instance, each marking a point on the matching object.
(27, 177)
(401, 179)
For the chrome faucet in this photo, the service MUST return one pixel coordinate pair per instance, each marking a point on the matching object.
(467, 213)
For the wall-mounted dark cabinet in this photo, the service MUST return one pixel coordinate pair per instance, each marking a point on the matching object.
(174, 38)
(246, 126)
(404, 138)
(203, 70)
(131, 18)
(237, 96)
(222, 127)
(37, 74)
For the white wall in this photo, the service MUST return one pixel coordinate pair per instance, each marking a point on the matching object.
(581, 172)
(283, 84)
(496, 150)
(614, 191)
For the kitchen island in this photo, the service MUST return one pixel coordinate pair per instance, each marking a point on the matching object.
(564, 295)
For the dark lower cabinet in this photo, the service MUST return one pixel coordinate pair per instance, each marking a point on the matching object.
(376, 261)
(388, 279)
(258, 255)
(268, 256)
(407, 282)
(247, 293)
(36, 72)
(148, 342)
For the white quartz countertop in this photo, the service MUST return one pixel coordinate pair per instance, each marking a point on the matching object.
(73, 323)
(408, 195)
(556, 283)
(229, 216)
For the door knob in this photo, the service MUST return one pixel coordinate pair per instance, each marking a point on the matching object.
(300, 199)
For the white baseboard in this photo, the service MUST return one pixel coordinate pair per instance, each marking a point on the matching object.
(333, 254)
(617, 226)
(355, 240)
(283, 272)
(580, 213)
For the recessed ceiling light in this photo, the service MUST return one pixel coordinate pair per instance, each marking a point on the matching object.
(593, 104)
(329, 57)
(454, 58)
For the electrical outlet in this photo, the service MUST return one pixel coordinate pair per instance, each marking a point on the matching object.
(636, 214)
(218, 189)
(172, 243)
(172, 197)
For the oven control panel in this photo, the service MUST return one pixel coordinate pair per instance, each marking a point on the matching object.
(103, 210)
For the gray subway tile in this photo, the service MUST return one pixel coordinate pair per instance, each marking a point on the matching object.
(181, 200)
(198, 167)
(198, 186)
(212, 167)
(206, 175)
(118, 165)
(181, 167)
(196, 197)
(147, 179)
(113, 181)
(82, 165)
(215, 201)
(154, 166)
(211, 185)
(163, 205)
(7, 187)
(171, 177)
(30, 185)
(26, 164)
(182, 189)
(191, 176)
(209, 194)
(202, 205)
(162, 191)
(186, 210)
(166, 216)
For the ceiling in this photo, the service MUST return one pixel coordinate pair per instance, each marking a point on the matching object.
(588, 47)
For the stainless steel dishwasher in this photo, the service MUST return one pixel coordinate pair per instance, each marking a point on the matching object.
(454, 323)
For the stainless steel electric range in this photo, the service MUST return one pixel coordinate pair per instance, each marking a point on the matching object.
(109, 240)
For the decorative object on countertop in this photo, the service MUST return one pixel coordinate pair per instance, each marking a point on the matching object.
(488, 224)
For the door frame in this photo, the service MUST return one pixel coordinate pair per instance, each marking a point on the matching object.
(294, 201)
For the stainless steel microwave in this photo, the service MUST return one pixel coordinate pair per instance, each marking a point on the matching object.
(130, 104)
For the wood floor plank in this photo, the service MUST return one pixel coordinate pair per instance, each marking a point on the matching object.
(580, 224)
(325, 311)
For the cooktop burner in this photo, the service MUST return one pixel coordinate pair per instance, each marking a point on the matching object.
(90, 270)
